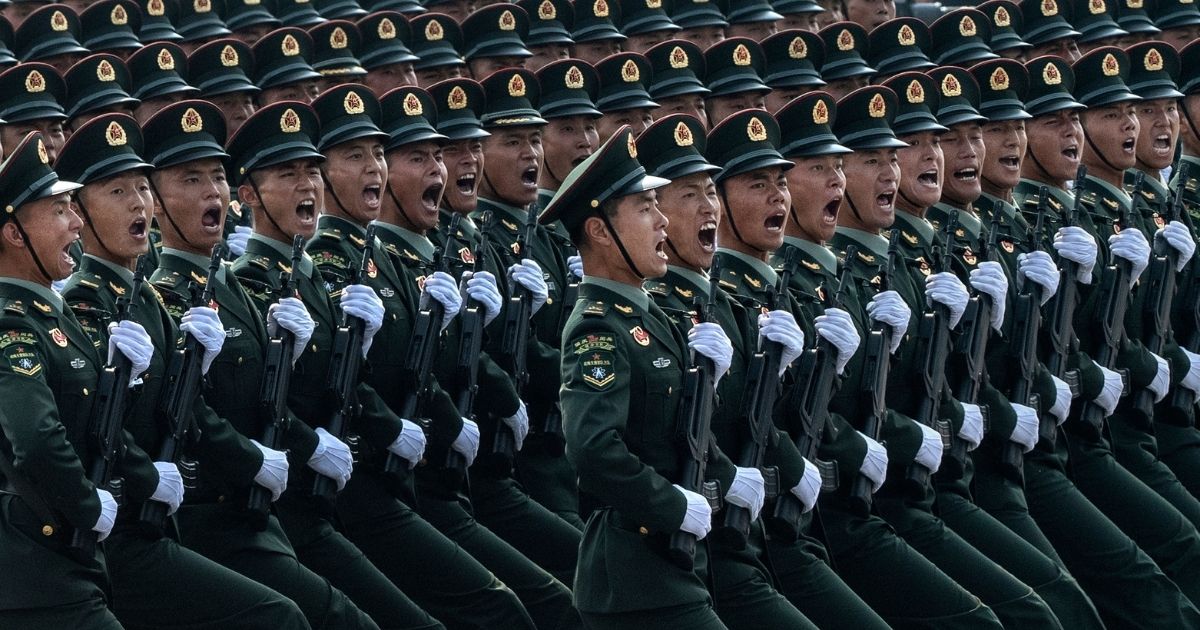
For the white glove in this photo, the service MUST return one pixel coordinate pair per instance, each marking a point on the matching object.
(1179, 237)
(575, 265)
(1078, 246)
(410, 444)
(108, 514)
(988, 278)
(519, 423)
(809, 487)
(361, 301)
(274, 471)
(697, 520)
(236, 241)
(1062, 399)
(482, 288)
(1025, 432)
(528, 274)
(946, 289)
(332, 458)
(1162, 378)
(781, 327)
(1131, 245)
(58, 285)
(134, 342)
(1038, 267)
(748, 490)
(891, 309)
(1110, 393)
(204, 324)
(929, 454)
(170, 486)
(292, 315)
(467, 441)
(1192, 379)
(972, 427)
(875, 463)
(442, 288)
(836, 327)
(709, 339)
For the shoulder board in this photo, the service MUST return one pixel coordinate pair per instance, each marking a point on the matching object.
(15, 307)
(595, 308)
(11, 337)
(262, 262)
(169, 280)
(90, 281)
(512, 227)
(330, 234)
(727, 285)
(1088, 197)
(657, 288)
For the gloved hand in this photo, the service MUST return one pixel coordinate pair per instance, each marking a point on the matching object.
(575, 265)
(988, 278)
(444, 290)
(1110, 393)
(482, 288)
(332, 458)
(237, 240)
(972, 426)
(748, 490)
(361, 301)
(108, 514)
(132, 340)
(1179, 238)
(291, 314)
(467, 441)
(410, 444)
(946, 289)
(528, 274)
(836, 327)
(889, 308)
(1025, 432)
(170, 486)
(697, 520)
(1062, 400)
(519, 423)
(1192, 379)
(1132, 246)
(709, 339)
(781, 327)
(1078, 246)
(875, 463)
(1162, 378)
(274, 471)
(929, 454)
(1038, 267)
(204, 324)
(58, 285)
(809, 487)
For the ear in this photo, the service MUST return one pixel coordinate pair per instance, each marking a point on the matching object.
(11, 235)
(597, 232)
(248, 197)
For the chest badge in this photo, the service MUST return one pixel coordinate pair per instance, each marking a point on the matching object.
(233, 333)
(59, 338)
(78, 363)
(387, 292)
(640, 335)
(372, 270)
(661, 362)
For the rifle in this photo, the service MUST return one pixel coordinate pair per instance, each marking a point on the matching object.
(1161, 285)
(342, 378)
(1182, 398)
(515, 340)
(1027, 319)
(466, 366)
(105, 431)
(417, 373)
(876, 363)
(934, 333)
(273, 394)
(697, 405)
(182, 386)
(1062, 322)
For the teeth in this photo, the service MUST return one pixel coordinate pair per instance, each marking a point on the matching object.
(709, 225)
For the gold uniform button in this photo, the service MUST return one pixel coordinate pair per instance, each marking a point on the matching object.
(643, 531)
(47, 530)
(241, 360)
(85, 391)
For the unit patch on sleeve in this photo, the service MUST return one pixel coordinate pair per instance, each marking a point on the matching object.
(597, 369)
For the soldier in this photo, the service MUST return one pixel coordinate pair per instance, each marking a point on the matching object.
(594, 32)
(1178, 20)
(198, 23)
(159, 78)
(437, 41)
(111, 26)
(1006, 22)
(549, 37)
(645, 25)
(798, 15)
(733, 76)
(868, 13)
(1045, 27)
(220, 70)
(900, 45)
(791, 68)
(250, 21)
(335, 50)
(50, 35)
(97, 85)
(493, 39)
(622, 96)
(702, 22)
(845, 68)
(676, 85)
(295, 14)
(1095, 23)
(282, 68)
(384, 52)
(1133, 18)
(569, 89)
(961, 38)
(30, 94)
(753, 19)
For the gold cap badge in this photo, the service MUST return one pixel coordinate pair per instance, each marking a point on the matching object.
(58, 22)
(546, 10)
(166, 61)
(386, 29)
(289, 46)
(412, 105)
(1110, 66)
(115, 134)
(630, 72)
(906, 36)
(797, 49)
(1051, 75)
(998, 80)
(457, 98)
(118, 17)
(877, 108)
(338, 39)
(229, 56)
(683, 135)
(507, 21)
(756, 130)
(951, 86)
(35, 82)
(105, 71)
(434, 31)
(915, 92)
(966, 27)
(353, 103)
(516, 86)
(845, 40)
(679, 58)
(1153, 60)
(820, 112)
(289, 122)
(573, 78)
(600, 8)
(191, 121)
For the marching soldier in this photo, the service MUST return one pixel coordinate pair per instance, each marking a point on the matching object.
(733, 76)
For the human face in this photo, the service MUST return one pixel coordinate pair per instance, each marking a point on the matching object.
(63, 62)
(593, 52)
(1005, 143)
(645, 41)
(417, 178)
(457, 9)
(52, 226)
(545, 55)
(1055, 142)
(251, 34)
(437, 74)
(694, 211)
(964, 154)
(151, 106)
(813, 216)
(758, 202)
(1113, 132)
(721, 107)
(303, 91)
(839, 88)
(869, 13)
(355, 171)
(1158, 123)
(192, 197)
(389, 77)
(871, 184)
(52, 132)
(702, 36)
(639, 119)
(757, 31)
(1180, 37)
(464, 163)
(292, 195)
(18, 11)
(641, 228)
(235, 107)
(482, 67)
(84, 118)
(1064, 48)
(690, 104)
(513, 162)
(833, 13)
(118, 214)
(781, 96)
(922, 164)
(800, 21)
(567, 143)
